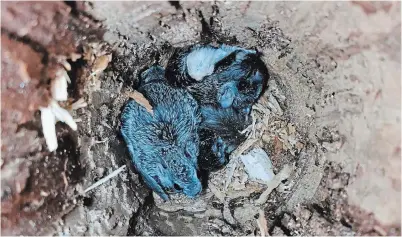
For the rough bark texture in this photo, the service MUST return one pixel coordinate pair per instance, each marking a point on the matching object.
(337, 66)
(37, 186)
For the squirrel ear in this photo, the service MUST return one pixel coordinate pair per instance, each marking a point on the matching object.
(155, 72)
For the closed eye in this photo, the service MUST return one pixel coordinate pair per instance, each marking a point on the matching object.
(225, 63)
(177, 187)
(242, 85)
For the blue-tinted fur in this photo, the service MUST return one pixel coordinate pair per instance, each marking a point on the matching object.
(219, 135)
(225, 76)
(164, 147)
(202, 59)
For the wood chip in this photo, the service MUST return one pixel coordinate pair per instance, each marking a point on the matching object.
(282, 175)
(291, 129)
(234, 159)
(140, 99)
(218, 194)
(65, 180)
(103, 180)
(244, 193)
(299, 146)
(79, 104)
(243, 147)
(260, 108)
(227, 215)
(230, 169)
(262, 224)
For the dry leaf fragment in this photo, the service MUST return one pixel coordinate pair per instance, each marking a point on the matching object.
(278, 146)
(140, 99)
(101, 63)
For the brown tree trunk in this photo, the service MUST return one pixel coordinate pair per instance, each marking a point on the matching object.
(37, 38)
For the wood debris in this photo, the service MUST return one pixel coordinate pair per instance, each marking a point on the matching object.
(218, 194)
(101, 63)
(103, 180)
(227, 215)
(282, 175)
(262, 224)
